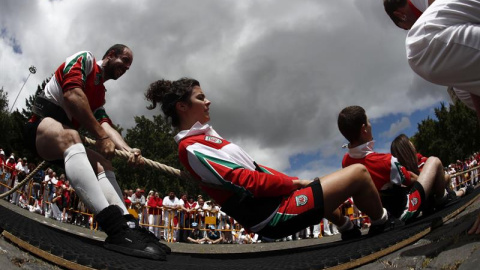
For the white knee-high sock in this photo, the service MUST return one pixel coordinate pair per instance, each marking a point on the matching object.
(83, 178)
(111, 190)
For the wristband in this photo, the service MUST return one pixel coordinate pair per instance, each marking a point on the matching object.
(104, 138)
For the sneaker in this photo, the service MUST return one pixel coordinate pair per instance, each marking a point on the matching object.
(133, 242)
(351, 234)
(469, 190)
(149, 236)
(380, 228)
(450, 198)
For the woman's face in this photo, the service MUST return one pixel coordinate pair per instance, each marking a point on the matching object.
(199, 107)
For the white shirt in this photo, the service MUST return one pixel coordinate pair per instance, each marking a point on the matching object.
(171, 203)
(53, 179)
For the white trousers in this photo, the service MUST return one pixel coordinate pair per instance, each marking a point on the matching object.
(443, 46)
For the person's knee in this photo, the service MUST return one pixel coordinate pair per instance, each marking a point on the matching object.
(70, 137)
(434, 162)
(360, 171)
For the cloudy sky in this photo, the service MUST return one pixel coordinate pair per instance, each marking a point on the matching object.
(277, 72)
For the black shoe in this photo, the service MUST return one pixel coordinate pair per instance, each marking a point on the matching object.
(135, 243)
(469, 190)
(385, 227)
(351, 234)
(449, 199)
(123, 239)
(151, 238)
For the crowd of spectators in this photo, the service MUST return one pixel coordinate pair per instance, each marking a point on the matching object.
(46, 193)
(187, 218)
(470, 177)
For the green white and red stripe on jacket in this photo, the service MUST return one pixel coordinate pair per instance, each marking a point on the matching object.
(224, 169)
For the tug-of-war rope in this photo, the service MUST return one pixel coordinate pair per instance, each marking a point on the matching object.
(121, 153)
(162, 167)
(24, 181)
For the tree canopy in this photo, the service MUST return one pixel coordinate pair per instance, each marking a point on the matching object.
(155, 139)
(454, 135)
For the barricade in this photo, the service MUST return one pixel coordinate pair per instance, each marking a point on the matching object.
(174, 225)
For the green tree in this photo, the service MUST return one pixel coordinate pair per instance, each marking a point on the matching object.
(18, 120)
(155, 139)
(455, 134)
(5, 123)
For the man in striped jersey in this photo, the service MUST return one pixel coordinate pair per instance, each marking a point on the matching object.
(73, 98)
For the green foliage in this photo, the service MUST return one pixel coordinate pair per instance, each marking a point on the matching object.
(155, 139)
(456, 133)
(5, 123)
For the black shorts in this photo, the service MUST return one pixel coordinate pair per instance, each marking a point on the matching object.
(404, 203)
(302, 208)
(30, 137)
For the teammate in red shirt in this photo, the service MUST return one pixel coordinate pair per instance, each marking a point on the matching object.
(403, 193)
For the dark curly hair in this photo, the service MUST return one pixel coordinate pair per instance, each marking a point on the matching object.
(168, 93)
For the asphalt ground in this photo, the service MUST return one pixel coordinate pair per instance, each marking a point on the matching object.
(446, 247)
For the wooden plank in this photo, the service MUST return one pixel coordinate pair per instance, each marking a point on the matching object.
(43, 254)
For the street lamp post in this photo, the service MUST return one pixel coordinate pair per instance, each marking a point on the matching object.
(32, 70)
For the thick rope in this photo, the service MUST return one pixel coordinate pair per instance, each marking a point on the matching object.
(24, 181)
(125, 154)
(170, 170)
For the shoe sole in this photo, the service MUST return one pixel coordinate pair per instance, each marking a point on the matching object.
(135, 252)
(164, 247)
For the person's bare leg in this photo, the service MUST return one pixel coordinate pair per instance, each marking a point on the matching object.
(432, 178)
(353, 181)
(335, 217)
(55, 141)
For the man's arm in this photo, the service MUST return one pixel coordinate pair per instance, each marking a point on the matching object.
(136, 154)
(115, 137)
(76, 104)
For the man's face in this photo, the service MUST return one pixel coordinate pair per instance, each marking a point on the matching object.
(368, 129)
(118, 64)
(171, 195)
(406, 16)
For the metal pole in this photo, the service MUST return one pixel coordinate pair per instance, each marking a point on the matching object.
(32, 70)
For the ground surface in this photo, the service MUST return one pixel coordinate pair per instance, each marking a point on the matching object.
(446, 247)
